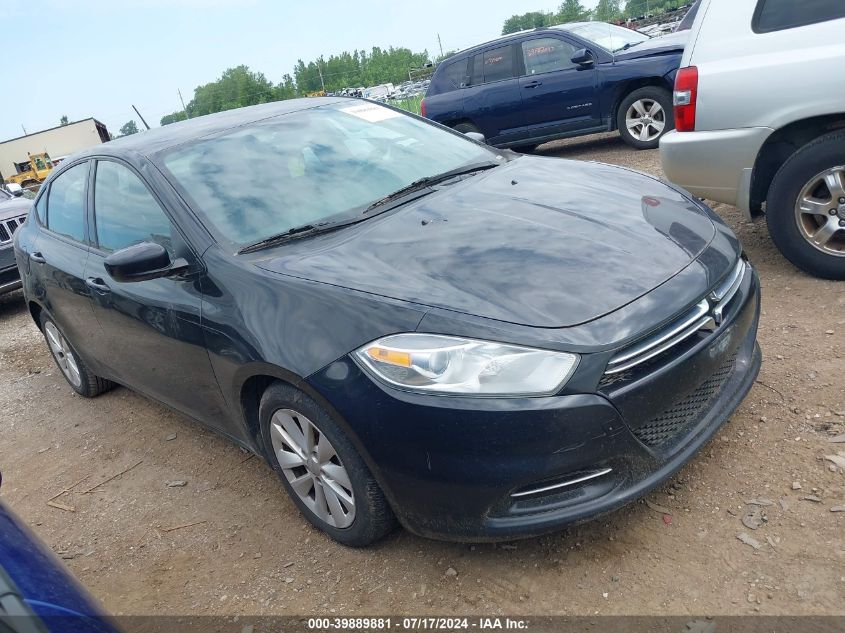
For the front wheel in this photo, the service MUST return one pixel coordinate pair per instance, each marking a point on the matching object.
(644, 116)
(805, 208)
(320, 469)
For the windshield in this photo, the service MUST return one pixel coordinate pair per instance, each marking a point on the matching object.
(609, 36)
(323, 164)
(4, 195)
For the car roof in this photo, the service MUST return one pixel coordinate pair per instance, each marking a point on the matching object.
(167, 136)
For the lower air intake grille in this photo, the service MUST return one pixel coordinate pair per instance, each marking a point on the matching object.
(660, 430)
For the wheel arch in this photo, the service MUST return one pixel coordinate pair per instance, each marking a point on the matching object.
(782, 144)
(35, 310)
(624, 88)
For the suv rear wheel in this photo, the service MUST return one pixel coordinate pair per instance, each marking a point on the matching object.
(644, 116)
(805, 208)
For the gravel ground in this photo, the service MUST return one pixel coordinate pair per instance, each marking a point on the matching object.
(240, 547)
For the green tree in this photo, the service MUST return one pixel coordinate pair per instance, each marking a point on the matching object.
(130, 127)
(530, 20)
(608, 10)
(63, 120)
(572, 11)
(167, 119)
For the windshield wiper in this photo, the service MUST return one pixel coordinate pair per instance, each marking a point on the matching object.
(306, 230)
(428, 181)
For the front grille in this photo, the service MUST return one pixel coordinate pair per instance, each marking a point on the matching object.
(8, 228)
(707, 315)
(661, 429)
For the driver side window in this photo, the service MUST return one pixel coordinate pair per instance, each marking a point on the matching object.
(125, 211)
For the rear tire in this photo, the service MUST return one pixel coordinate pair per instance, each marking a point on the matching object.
(801, 183)
(81, 379)
(644, 116)
(329, 482)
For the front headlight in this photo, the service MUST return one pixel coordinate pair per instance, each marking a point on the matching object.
(446, 364)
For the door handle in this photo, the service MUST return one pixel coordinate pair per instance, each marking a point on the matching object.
(95, 283)
(533, 84)
(38, 258)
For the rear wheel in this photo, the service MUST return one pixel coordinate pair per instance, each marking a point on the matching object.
(320, 468)
(805, 208)
(81, 379)
(644, 116)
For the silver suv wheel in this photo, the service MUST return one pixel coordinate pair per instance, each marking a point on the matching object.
(820, 211)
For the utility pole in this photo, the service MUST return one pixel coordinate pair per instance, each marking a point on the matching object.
(440, 44)
(140, 117)
(184, 109)
(320, 70)
(24, 129)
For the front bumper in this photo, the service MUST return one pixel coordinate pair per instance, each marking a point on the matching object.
(10, 278)
(715, 165)
(451, 466)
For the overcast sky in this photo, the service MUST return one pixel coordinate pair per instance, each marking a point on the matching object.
(96, 58)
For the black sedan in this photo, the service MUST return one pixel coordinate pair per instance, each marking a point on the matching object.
(407, 324)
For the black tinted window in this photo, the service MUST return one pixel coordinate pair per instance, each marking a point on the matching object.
(66, 203)
(498, 64)
(126, 212)
(776, 15)
(456, 74)
(546, 54)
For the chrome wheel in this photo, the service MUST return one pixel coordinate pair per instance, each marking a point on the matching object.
(63, 354)
(312, 467)
(645, 119)
(820, 211)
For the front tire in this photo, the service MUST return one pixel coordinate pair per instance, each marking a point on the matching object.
(805, 207)
(321, 469)
(465, 127)
(644, 116)
(81, 379)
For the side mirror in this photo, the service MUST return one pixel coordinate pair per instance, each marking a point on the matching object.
(15, 189)
(582, 57)
(476, 136)
(141, 262)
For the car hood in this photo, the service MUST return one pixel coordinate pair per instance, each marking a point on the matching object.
(538, 241)
(14, 208)
(662, 45)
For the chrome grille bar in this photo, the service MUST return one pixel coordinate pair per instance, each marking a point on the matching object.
(707, 314)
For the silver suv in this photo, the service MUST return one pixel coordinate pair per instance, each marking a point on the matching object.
(13, 212)
(760, 119)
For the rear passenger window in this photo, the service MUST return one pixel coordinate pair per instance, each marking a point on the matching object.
(66, 203)
(476, 75)
(498, 64)
(547, 54)
(777, 15)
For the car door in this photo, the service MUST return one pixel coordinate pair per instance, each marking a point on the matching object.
(493, 101)
(557, 95)
(58, 259)
(152, 338)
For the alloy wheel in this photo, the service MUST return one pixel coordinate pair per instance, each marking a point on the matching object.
(63, 354)
(312, 467)
(645, 119)
(820, 211)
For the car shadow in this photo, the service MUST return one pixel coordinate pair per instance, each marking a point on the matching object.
(578, 145)
(12, 304)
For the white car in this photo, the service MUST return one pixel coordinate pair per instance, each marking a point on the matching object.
(760, 121)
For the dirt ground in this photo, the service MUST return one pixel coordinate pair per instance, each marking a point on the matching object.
(240, 546)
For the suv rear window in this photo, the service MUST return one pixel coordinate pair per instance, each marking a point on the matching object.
(777, 15)
(456, 74)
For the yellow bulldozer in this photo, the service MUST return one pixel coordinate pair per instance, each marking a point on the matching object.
(32, 171)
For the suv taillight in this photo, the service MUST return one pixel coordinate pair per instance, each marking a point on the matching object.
(684, 98)
(422, 107)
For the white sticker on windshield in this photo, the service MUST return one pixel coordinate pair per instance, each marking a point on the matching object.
(371, 112)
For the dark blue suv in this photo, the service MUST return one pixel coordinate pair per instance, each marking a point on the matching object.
(549, 83)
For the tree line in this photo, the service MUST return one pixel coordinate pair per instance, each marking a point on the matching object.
(574, 11)
(239, 86)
